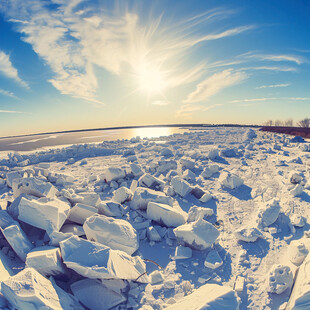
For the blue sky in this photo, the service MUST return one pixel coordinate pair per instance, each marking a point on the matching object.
(72, 64)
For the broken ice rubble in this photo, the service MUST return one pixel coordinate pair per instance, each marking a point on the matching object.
(142, 196)
(248, 234)
(170, 209)
(165, 214)
(198, 235)
(115, 233)
(45, 213)
(209, 296)
(269, 213)
(280, 279)
(30, 290)
(46, 260)
(97, 261)
(230, 180)
(33, 186)
(96, 296)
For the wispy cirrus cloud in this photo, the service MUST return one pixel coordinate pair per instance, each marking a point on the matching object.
(215, 83)
(271, 68)
(187, 110)
(277, 57)
(72, 41)
(13, 112)
(246, 100)
(274, 86)
(7, 93)
(7, 69)
(267, 99)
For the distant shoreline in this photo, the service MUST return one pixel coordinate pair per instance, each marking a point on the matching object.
(129, 127)
(293, 131)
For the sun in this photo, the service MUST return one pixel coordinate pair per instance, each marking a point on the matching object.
(151, 78)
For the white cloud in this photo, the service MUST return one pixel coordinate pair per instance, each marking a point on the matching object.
(273, 86)
(214, 84)
(72, 40)
(282, 57)
(8, 70)
(252, 100)
(271, 68)
(187, 110)
(226, 33)
(298, 99)
(12, 112)
(7, 93)
(262, 100)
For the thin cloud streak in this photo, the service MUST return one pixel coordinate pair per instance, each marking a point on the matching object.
(214, 84)
(271, 68)
(13, 112)
(187, 110)
(269, 57)
(249, 100)
(9, 71)
(7, 93)
(252, 100)
(273, 86)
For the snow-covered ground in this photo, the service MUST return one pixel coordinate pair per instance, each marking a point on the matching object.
(215, 218)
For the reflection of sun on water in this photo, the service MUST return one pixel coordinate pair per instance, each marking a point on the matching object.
(152, 132)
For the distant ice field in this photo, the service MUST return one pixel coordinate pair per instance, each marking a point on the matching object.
(33, 142)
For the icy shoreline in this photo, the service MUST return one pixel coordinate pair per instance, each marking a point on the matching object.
(224, 207)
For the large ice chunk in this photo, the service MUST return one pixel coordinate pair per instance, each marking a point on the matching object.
(248, 234)
(44, 213)
(230, 180)
(268, 214)
(113, 174)
(111, 208)
(166, 165)
(122, 195)
(13, 207)
(18, 240)
(59, 178)
(143, 196)
(213, 260)
(198, 235)
(280, 278)
(166, 215)
(114, 233)
(29, 290)
(97, 261)
(150, 181)
(180, 186)
(96, 296)
(208, 296)
(46, 260)
(136, 170)
(297, 252)
(12, 175)
(195, 213)
(5, 269)
(300, 296)
(33, 186)
(80, 212)
(187, 163)
(214, 153)
(5, 219)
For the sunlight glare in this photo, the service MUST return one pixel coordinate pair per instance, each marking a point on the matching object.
(151, 78)
(152, 132)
